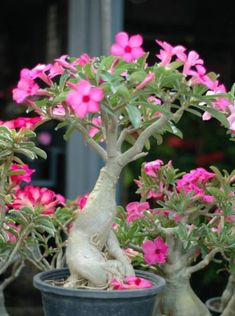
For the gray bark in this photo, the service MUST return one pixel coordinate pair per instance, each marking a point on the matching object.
(178, 299)
(92, 234)
(3, 311)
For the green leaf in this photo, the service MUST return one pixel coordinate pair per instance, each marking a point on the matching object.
(134, 115)
(215, 113)
(147, 144)
(123, 91)
(137, 76)
(216, 192)
(195, 112)
(26, 152)
(176, 131)
(61, 125)
(39, 152)
(69, 132)
(46, 228)
(3, 236)
(18, 217)
(158, 138)
(232, 91)
(5, 153)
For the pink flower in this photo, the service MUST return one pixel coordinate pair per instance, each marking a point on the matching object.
(151, 167)
(130, 283)
(168, 51)
(190, 60)
(26, 176)
(56, 70)
(11, 237)
(130, 252)
(32, 196)
(128, 48)
(195, 182)
(58, 110)
(115, 226)
(81, 200)
(94, 130)
(135, 210)
(22, 122)
(26, 87)
(26, 122)
(82, 60)
(150, 76)
(231, 120)
(154, 100)
(155, 251)
(39, 71)
(84, 99)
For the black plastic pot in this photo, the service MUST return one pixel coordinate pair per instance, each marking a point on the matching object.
(213, 304)
(58, 301)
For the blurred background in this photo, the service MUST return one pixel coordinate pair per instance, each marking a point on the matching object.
(38, 31)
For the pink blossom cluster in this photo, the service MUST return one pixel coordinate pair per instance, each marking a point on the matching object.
(195, 182)
(193, 66)
(130, 283)
(28, 87)
(45, 200)
(21, 122)
(83, 97)
(150, 168)
(135, 210)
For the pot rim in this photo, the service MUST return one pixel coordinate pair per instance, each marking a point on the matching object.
(40, 278)
(210, 306)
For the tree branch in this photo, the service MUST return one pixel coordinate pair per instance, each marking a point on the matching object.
(203, 263)
(91, 142)
(137, 148)
(123, 135)
(17, 267)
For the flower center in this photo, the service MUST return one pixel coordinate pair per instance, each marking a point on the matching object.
(86, 98)
(137, 281)
(157, 251)
(127, 49)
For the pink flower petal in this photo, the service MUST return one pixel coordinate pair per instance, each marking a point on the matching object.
(137, 52)
(84, 87)
(136, 41)
(122, 39)
(97, 94)
(93, 106)
(117, 50)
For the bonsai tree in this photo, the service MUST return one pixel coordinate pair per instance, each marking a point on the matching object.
(179, 225)
(113, 99)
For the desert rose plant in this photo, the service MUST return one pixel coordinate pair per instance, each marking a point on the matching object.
(33, 220)
(180, 223)
(15, 140)
(111, 100)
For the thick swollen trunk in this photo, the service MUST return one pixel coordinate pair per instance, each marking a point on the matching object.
(228, 298)
(178, 299)
(230, 308)
(92, 234)
(3, 311)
